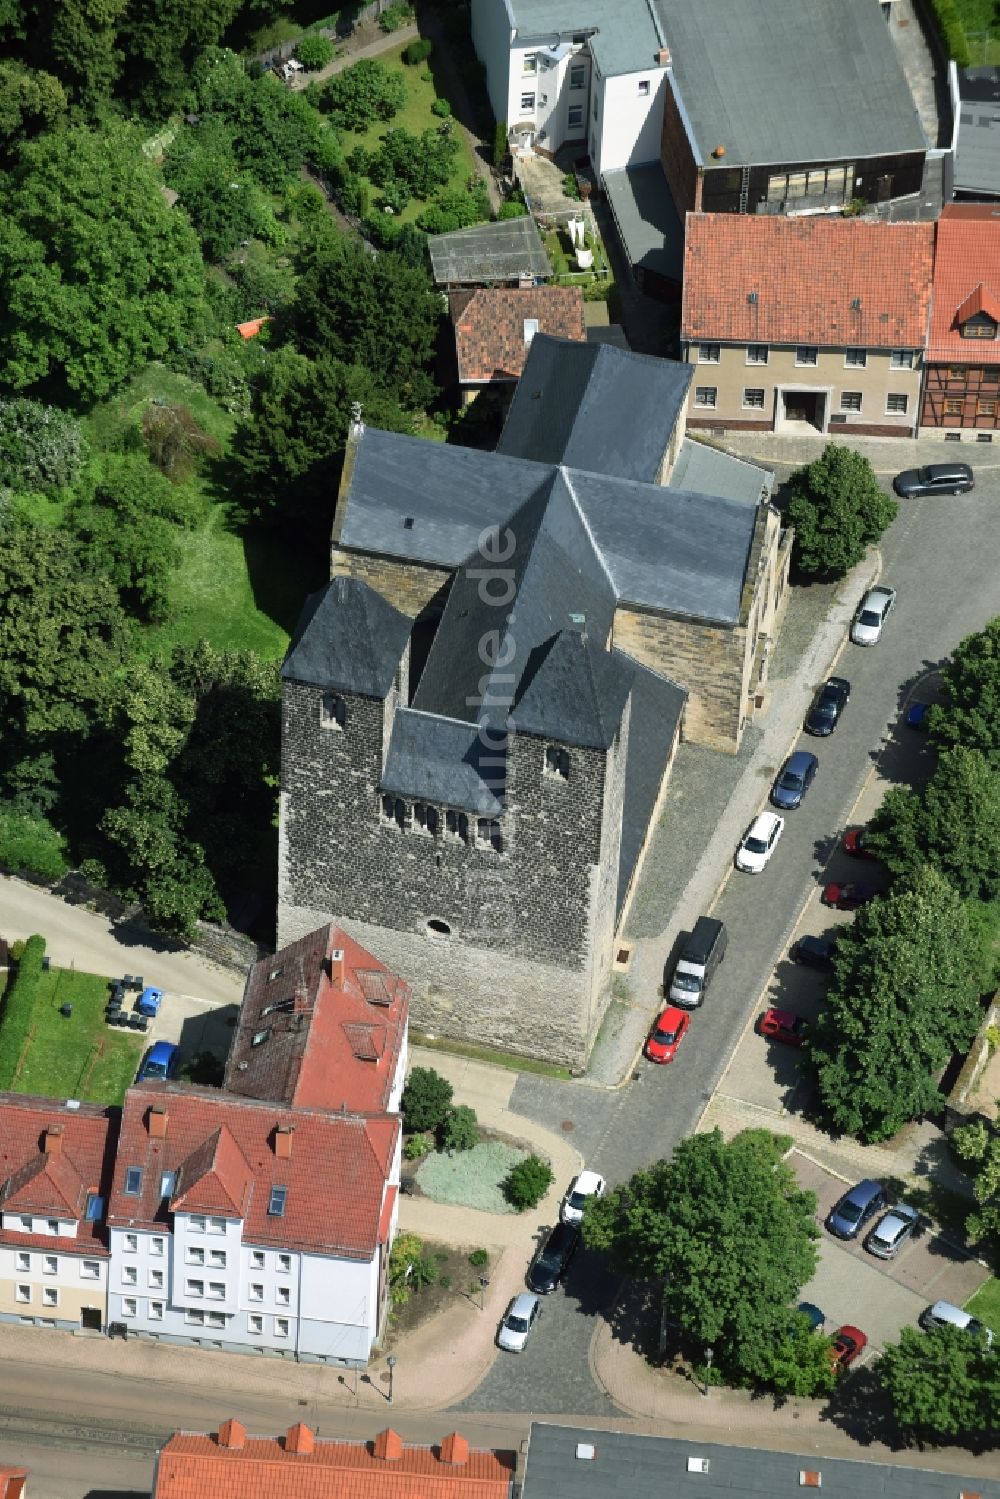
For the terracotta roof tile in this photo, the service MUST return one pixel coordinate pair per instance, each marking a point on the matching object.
(335, 1173)
(756, 279)
(198, 1467)
(297, 1040)
(490, 337)
(215, 1178)
(55, 1184)
(12, 1482)
(966, 281)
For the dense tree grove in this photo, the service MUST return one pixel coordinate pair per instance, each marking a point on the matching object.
(941, 1384)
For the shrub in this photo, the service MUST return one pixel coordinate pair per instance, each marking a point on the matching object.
(952, 32)
(512, 209)
(417, 51)
(426, 1099)
(175, 442)
(500, 143)
(40, 446)
(445, 1282)
(460, 1130)
(422, 163)
(395, 196)
(17, 1007)
(417, 1146)
(31, 845)
(365, 92)
(441, 108)
(528, 1182)
(478, 1258)
(314, 52)
(395, 17)
(570, 186)
(410, 1269)
(453, 211)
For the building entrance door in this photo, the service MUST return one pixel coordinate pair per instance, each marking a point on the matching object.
(90, 1318)
(805, 406)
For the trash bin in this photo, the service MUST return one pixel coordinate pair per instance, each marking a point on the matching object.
(66, 1010)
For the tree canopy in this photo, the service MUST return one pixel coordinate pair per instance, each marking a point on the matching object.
(730, 1233)
(977, 1145)
(838, 511)
(942, 1384)
(970, 713)
(907, 977)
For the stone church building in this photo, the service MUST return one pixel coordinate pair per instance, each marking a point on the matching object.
(481, 708)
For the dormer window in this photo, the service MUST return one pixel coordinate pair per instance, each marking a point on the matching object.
(333, 712)
(276, 973)
(557, 761)
(980, 325)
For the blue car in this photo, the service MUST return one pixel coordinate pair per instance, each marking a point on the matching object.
(149, 1001)
(160, 1061)
(795, 779)
(916, 715)
(856, 1208)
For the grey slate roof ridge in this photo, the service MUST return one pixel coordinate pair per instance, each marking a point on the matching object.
(343, 615)
(567, 474)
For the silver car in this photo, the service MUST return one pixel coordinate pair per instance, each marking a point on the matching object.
(872, 614)
(518, 1320)
(892, 1231)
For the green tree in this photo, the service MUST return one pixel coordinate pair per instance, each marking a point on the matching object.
(122, 521)
(76, 40)
(165, 867)
(363, 93)
(426, 1099)
(838, 511)
(460, 1128)
(422, 163)
(726, 1228)
(978, 1147)
(161, 42)
(224, 203)
(314, 52)
(970, 713)
(905, 995)
(41, 447)
(97, 274)
(953, 823)
(376, 313)
(30, 101)
(942, 1383)
(528, 1182)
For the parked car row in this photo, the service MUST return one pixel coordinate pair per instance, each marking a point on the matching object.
(550, 1263)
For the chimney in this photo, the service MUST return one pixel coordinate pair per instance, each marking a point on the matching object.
(337, 967)
(300, 1000)
(283, 1141)
(299, 1438)
(719, 152)
(232, 1434)
(663, 57)
(810, 1479)
(52, 1141)
(388, 1445)
(525, 282)
(157, 1124)
(455, 1449)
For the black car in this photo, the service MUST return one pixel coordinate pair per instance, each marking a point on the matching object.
(936, 478)
(828, 704)
(814, 952)
(552, 1260)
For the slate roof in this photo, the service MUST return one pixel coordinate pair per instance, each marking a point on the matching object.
(967, 258)
(807, 274)
(57, 1183)
(630, 1465)
(654, 718)
(443, 760)
(335, 1175)
(648, 222)
(977, 159)
(593, 407)
(308, 1057)
(700, 469)
(576, 693)
(233, 1465)
(626, 39)
(771, 87)
(349, 638)
(488, 253)
(491, 342)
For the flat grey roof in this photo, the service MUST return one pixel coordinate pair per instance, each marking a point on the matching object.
(977, 160)
(647, 220)
(639, 1465)
(626, 39)
(701, 469)
(774, 82)
(486, 253)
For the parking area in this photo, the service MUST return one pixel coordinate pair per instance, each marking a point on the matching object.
(880, 1296)
(194, 1025)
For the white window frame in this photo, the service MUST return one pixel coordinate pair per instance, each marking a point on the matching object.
(760, 390)
(22, 1293)
(903, 403)
(257, 1259)
(195, 1255)
(130, 1306)
(709, 353)
(803, 353)
(255, 1323)
(284, 1264)
(527, 102)
(216, 1225)
(156, 1245)
(130, 1275)
(846, 403)
(706, 397)
(50, 1264)
(196, 1223)
(90, 1269)
(22, 1260)
(574, 117)
(855, 359)
(283, 1295)
(216, 1290)
(281, 1325)
(194, 1317)
(529, 65)
(156, 1280)
(26, 1225)
(131, 1243)
(901, 359)
(217, 1259)
(577, 76)
(194, 1288)
(255, 1291)
(215, 1319)
(50, 1296)
(644, 88)
(762, 350)
(156, 1311)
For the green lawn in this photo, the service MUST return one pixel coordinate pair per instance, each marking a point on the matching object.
(416, 117)
(79, 1056)
(981, 22)
(986, 1304)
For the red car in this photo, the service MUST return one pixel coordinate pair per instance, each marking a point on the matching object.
(848, 897)
(854, 844)
(849, 1343)
(782, 1025)
(667, 1034)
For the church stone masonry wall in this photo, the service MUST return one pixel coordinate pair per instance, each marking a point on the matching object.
(410, 587)
(708, 660)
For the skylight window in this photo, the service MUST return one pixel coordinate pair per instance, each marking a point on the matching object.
(276, 1206)
(133, 1181)
(94, 1210)
(276, 973)
(167, 1183)
(259, 1037)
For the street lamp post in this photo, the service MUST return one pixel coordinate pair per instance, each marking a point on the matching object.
(391, 1361)
(709, 1355)
(484, 1281)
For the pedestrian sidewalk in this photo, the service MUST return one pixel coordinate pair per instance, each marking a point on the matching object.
(887, 455)
(350, 55)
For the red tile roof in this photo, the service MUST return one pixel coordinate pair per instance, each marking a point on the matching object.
(252, 328)
(12, 1482)
(300, 1466)
(490, 333)
(966, 281)
(315, 1038)
(51, 1159)
(805, 275)
(225, 1148)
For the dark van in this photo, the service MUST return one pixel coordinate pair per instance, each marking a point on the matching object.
(700, 956)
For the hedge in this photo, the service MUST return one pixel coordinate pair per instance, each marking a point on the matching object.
(951, 31)
(31, 845)
(17, 1008)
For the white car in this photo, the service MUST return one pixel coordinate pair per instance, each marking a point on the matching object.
(587, 1184)
(759, 842)
(518, 1320)
(873, 611)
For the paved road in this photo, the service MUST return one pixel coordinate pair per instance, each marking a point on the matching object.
(941, 556)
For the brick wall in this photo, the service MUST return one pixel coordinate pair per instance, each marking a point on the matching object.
(679, 166)
(708, 660)
(411, 587)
